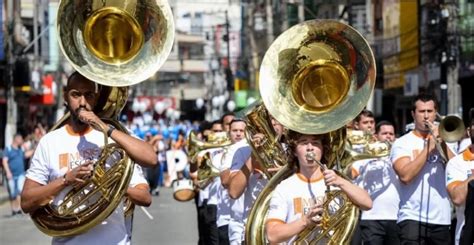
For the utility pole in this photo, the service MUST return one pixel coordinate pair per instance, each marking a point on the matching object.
(228, 71)
(254, 56)
(449, 87)
(12, 110)
(269, 12)
(301, 16)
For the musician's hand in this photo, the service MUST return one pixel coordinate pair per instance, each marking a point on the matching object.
(77, 176)
(313, 216)
(92, 119)
(331, 178)
(274, 169)
(258, 139)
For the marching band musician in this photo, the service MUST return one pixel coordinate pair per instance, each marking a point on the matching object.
(297, 201)
(365, 121)
(425, 210)
(223, 200)
(246, 181)
(64, 159)
(459, 172)
(237, 153)
(207, 225)
(377, 177)
(219, 215)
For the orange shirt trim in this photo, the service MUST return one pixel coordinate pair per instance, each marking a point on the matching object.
(419, 135)
(453, 184)
(468, 155)
(306, 180)
(72, 133)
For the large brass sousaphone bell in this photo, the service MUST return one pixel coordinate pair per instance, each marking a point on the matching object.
(315, 78)
(117, 44)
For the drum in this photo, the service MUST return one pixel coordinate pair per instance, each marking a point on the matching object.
(183, 190)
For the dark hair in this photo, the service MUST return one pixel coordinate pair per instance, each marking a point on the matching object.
(227, 114)
(237, 120)
(424, 98)
(471, 116)
(365, 113)
(292, 137)
(204, 125)
(382, 123)
(216, 122)
(79, 75)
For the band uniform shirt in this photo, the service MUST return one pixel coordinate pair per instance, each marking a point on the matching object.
(294, 197)
(138, 178)
(235, 157)
(425, 198)
(60, 151)
(222, 196)
(378, 178)
(459, 169)
(216, 157)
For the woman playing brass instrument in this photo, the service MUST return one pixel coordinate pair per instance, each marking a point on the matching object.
(293, 207)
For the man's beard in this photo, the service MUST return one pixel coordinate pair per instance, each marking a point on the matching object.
(75, 116)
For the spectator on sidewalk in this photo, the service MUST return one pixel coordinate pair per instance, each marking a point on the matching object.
(14, 167)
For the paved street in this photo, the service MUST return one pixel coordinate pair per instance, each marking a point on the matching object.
(174, 223)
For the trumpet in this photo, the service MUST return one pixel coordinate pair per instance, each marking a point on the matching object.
(450, 128)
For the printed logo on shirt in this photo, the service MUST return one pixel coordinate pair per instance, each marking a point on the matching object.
(72, 160)
(303, 205)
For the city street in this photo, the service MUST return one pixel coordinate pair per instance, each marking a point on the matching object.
(173, 223)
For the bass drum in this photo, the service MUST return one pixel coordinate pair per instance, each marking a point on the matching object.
(183, 190)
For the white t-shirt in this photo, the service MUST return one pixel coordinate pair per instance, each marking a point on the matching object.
(211, 188)
(220, 196)
(61, 150)
(464, 144)
(459, 168)
(425, 198)
(236, 226)
(378, 178)
(215, 185)
(294, 197)
(137, 178)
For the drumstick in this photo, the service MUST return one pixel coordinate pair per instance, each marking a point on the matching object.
(146, 212)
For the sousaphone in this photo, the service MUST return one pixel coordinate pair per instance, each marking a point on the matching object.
(315, 78)
(116, 44)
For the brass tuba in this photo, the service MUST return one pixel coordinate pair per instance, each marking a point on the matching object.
(116, 44)
(315, 78)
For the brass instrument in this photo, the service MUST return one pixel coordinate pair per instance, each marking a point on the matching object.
(116, 44)
(359, 137)
(270, 153)
(451, 129)
(206, 169)
(215, 140)
(315, 78)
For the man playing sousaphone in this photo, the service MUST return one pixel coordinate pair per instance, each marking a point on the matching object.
(65, 157)
(296, 203)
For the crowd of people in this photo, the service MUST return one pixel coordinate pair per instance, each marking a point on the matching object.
(406, 196)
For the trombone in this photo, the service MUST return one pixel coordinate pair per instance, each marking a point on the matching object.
(450, 128)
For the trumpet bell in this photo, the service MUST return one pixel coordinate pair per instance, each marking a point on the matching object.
(316, 76)
(116, 43)
(451, 128)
